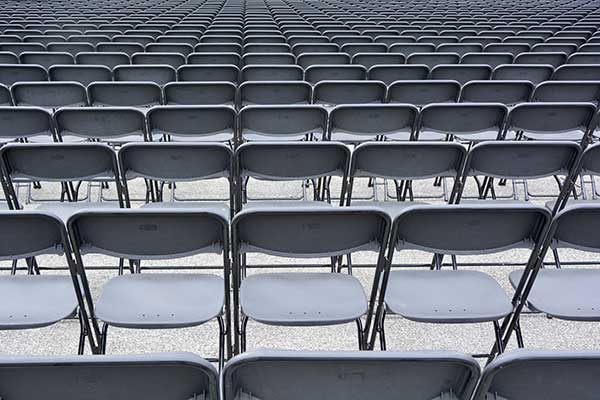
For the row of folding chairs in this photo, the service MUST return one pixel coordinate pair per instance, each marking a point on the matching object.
(272, 375)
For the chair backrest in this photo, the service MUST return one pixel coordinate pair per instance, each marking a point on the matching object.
(176, 376)
(272, 73)
(541, 375)
(12, 73)
(49, 95)
(461, 73)
(577, 72)
(46, 58)
(174, 60)
(23, 122)
(309, 232)
(104, 123)
(27, 234)
(132, 94)
(491, 59)
(109, 60)
(210, 123)
(289, 122)
(271, 375)
(5, 96)
(534, 73)
(508, 93)
(554, 59)
(305, 60)
(199, 93)
(573, 228)
(317, 73)
(145, 234)
(367, 60)
(389, 73)
(160, 74)
(270, 93)
(330, 93)
(84, 74)
(590, 163)
(268, 59)
(433, 59)
(209, 73)
(215, 58)
(421, 92)
(469, 229)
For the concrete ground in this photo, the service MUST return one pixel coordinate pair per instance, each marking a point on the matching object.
(539, 331)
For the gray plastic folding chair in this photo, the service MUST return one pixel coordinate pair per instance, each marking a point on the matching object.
(185, 300)
(541, 375)
(84, 74)
(471, 122)
(433, 59)
(159, 74)
(360, 123)
(550, 121)
(208, 73)
(71, 47)
(455, 296)
(214, 58)
(584, 58)
(5, 96)
(175, 60)
(554, 59)
(46, 58)
(192, 123)
(368, 60)
(110, 60)
(115, 125)
(142, 95)
(271, 93)
(317, 73)
(22, 124)
(282, 122)
(269, 59)
(332, 93)
(128, 48)
(173, 376)
(461, 73)
(6, 57)
(12, 73)
(535, 73)
(303, 298)
(272, 375)
(509, 93)
(306, 60)
(567, 91)
(271, 73)
(199, 93)
(577, 72)
(491, 59)
(49, 95)
(421, 93)
(388, 74)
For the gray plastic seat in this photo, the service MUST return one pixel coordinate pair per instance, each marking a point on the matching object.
(567, 91)
(281, 298)
(406, 49)
(185, 300)
(115, 125)
(279, 92)
(70, 47)
(180, 48)
(5, 96)
(361, 123)
(109, 60)
(577, 72)
(461, 73)
(302, 48)
(268, 59)
(6, 57)
(368, 60)
(306, 60)
(551, 121)
(84, 74)
(420, 93)
(271, 73)
(128, 48)
(132, 377)
(46, 58)
(215, 58)
(49, 95)
(466, 121)
(32, 123)
(132, 94)
(509, 93)
(554, 59)
(512, 48)
(199, 93)
(218, 48)
(491, 59)
(332, 93)
(433, 59)
(208, 73)
(584, 58)
(192, 123)
(12, 73)
(541, 374)
(389, 74)
(317, 73)
(159, 74)
(535, 73)
(174, 60)
(282, 122)
(19, 48)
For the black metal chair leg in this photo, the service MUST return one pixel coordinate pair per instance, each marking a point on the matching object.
(361, 335)
(519, 334)
(222, 333)
(498, 337)
(82, 335)
(103, 339)
(243, 334)
(381, 329)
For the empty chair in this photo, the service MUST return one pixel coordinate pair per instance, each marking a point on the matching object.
(416, 375)
(271, 73)
(584, 58)
(5, 96)
(554, 59)
(282, 122)
(46, 58)
(139, 39)
(420, 93)
(317, 73)
(91, 39)
(303, 298)
(192, 123)
(577, 72)
(115, 125)
(305, 60)
(302, 48)
(406, 49)
(218, 48)
(185, 300)
(129, 48)
(280, 92)
(208, 73)
(84, 74)
(465, 121)
(18, 48)
(354, 48)
(10, 73)
(368, 60)
(461, 73)
(509, 93)
(70, 47)
(49, 95)
(566, 48)
(181, 48)
(368, 122)
(567, 91)
(30, 123)
(388, 74)
(460, 48)
(159, 74)
(199, 93)
(215, 58)
(511, 48)
(134, 94)
(158, 376)
(535, 73)
(491, 59)
(109, 60)
(455, 296)
(174, 60)
(331, 93)
(537, 374)
(7, 57)
(268, 59)
(551, 121)
(433, 59)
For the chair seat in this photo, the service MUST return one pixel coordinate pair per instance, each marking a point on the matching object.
(156, 301)
(483, 136)
(302, 299)
(285, 203)
(391, 208)
(569, 136)
(352, 138)
(34, 301)
(257, 137)
(446, 296)
(64, 210)
(570, 294)
(217, 137)
(214, 206)
(550, 204)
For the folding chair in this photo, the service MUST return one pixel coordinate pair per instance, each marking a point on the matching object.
(208, 73)
(200, 93)
(541, 374)
(470, 122)
(577, 72)
(535, 73)
(554, 59)
(550, 121)
(584, 58)
(332, 93)
(129, 48)
(306, 60)
(84, 74)
(282, 122)
(159, 74)
(432, 59)
(185, 300)
(301, 48)
(461, 73)
(22, 124)
(406, 49)
(270, 93)
(70, 47)
(569, 91)
(115, 125)
(19, 48)
(389, 74)
(509, 93)
(132, 377)
(142, 95)
(454, 296)
(174, 60)
(192, 123)
(180, 48)
(215, 58)
(272, 73)
(46, 59)
(317, 73)
(5, 96)
(12, 73)
(303, 298)
(268, 59)
(271, 375)
(491, 59)
(7, 57)
(368, 60)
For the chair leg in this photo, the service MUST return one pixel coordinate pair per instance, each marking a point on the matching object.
(82, 334)
(519, 334)
(556, 258)
(222, 333)
(498, 337)
(361, 335)
(381, 330)
(13, 268)
(103, 339)
(243, 334)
